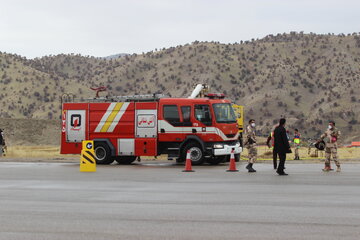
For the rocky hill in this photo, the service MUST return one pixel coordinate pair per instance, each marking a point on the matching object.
(308, 78)
(31, 132)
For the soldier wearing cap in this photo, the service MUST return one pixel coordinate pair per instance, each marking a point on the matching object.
(251, 145)
(331, 137)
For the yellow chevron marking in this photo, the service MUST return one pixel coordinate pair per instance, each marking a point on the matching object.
(111, 117)
(89, 157)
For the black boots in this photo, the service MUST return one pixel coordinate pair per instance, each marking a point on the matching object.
(250, 168)
(297, 158)
(282, 173)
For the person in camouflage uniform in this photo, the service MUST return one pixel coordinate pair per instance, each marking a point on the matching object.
(331, 136)
(251, 145)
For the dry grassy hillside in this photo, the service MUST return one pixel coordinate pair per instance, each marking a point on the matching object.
(31, 131)
(308, 78)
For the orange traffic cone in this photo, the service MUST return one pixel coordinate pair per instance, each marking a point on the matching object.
(232, 165)
(188, 163)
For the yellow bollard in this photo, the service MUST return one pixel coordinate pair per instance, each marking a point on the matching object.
(87, 160)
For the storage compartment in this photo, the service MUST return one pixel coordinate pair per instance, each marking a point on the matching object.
(126, 147)
(145, 147)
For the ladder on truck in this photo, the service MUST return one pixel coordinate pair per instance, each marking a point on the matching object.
(130, 98)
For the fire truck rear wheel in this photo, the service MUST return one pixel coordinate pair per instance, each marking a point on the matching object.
(196, 153)
(125, 159)
(103, 153)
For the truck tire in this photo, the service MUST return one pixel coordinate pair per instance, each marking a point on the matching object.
(196, 153)
(216, 160)
(125, 160)
(102, 153)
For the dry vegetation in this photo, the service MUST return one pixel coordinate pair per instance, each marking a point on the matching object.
(264, 153)
(31, 132)
(308, 78)
(34, 152)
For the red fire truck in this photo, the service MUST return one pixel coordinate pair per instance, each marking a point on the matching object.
(125, 128)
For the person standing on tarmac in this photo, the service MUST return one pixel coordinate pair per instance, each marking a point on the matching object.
(281, 145)
(331, 136)
(251, 145)
(297, 137)
(270, 144)
(2, 143)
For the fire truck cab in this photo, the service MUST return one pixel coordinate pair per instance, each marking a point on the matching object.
(124, 128)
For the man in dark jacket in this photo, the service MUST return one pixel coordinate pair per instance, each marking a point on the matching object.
(281, 145)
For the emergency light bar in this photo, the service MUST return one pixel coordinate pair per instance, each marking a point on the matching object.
(215, 95)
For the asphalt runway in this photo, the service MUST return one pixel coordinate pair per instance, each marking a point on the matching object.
(157, 201)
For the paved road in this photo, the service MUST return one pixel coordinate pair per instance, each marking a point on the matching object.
(158, 201)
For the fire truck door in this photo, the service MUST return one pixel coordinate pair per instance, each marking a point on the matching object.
(146, 123)
(75, 126)
(146, 129)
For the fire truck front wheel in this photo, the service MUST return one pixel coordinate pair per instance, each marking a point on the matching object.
(196, 153)
(103, 153)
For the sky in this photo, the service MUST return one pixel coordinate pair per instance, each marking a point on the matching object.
(35, 28)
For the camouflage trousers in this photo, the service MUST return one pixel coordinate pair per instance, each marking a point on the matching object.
(252, 151)
(331, 151)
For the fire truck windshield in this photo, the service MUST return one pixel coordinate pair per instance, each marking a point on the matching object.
(224, 113)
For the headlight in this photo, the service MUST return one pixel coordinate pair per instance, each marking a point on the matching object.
(218, 146)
